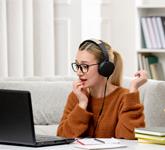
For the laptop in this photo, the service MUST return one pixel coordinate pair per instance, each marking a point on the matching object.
(16, 121)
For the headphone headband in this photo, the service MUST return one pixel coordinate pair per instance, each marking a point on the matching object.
(100, 44)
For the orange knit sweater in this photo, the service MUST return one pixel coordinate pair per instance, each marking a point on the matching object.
(122, 112)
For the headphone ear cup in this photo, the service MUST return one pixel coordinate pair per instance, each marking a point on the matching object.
(106, 68)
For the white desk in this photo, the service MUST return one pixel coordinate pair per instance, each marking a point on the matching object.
(131, 145)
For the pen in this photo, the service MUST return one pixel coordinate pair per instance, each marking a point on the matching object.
(99, 140)
(78, 141)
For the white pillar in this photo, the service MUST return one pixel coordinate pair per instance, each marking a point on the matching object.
(28, 37)
(44, 37)
(91, 19)
(15, 37)
(3, 40)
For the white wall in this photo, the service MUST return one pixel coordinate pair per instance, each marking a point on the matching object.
(67, 24)
(112, 21)
(123, 32)
(44, 35)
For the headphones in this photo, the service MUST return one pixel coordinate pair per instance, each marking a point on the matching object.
(106, 67)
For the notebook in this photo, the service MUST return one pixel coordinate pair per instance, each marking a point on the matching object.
(98, 143)
(16, 121)
(157, 131)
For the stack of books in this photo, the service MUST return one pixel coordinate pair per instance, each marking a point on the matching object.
(154, 135)
(151, 64)
(153, 31)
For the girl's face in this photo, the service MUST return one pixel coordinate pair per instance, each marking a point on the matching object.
(91, 77)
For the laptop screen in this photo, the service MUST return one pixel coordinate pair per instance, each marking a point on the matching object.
(16, 117)
(16, 121)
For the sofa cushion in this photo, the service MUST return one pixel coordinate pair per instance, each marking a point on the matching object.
(154, 103)
(152, 95)
(46, 129)
(48, 98)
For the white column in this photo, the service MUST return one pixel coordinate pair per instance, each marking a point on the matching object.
(91, 19)
(44, 37)
(28, 37)
(3, 40)
(15, 37)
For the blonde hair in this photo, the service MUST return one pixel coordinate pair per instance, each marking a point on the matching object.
(114, 56)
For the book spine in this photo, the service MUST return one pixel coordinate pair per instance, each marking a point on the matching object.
(161, 31)
(145, 31)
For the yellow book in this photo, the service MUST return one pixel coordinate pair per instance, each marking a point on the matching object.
(144, 141)
(148, 141)
(150, 138)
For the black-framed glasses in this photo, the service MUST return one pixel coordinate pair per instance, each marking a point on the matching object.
(83, 67)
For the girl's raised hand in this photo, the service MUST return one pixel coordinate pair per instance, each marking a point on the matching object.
(139, 80)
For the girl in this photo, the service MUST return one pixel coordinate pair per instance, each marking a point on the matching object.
(98, 106)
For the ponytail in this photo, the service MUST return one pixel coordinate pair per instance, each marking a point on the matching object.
(116, 77)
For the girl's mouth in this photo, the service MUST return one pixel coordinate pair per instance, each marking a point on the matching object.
(83, 80)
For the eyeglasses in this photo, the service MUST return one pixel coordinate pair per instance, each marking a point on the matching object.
(83, 67)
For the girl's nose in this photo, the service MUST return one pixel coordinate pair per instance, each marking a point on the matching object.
(79, 71)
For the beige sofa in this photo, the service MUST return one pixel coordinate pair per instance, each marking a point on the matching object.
(49, 96)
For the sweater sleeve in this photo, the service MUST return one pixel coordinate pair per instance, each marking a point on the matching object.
(75, 120)
(130, 116)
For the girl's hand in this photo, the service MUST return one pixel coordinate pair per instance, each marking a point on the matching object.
(81, 93)
(141, 78)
